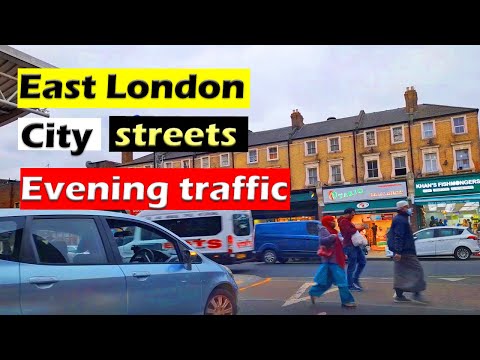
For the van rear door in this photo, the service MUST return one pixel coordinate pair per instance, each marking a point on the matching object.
(241, 240)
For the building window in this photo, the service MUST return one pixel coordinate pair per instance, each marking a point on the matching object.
(334, 144)
(167, 165)
(252, 156)
(312, 175)
(428, 130)
(310, 148)
(225, 160)
(205, 162)
(397, 134)
(463, 159)
(400, 163)
(185, 164)
(272, 153)
(336, 173)
(430, 162)
(459, 125)
(372, 169)
(371, 138)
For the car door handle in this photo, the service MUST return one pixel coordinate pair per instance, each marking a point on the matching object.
(141, 275)
(43, 282)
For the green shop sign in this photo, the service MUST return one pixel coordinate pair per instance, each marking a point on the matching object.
(448, 185)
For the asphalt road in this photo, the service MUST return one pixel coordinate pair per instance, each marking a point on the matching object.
(374, 268)
(282, 289)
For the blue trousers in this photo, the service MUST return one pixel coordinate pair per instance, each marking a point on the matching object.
(356, 263)
(326, 276)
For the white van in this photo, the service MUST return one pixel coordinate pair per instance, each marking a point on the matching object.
(225, 236)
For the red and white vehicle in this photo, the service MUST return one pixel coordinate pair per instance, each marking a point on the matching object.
(225, 236)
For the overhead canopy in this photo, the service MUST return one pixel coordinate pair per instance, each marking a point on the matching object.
(374, 206)
(10, 60)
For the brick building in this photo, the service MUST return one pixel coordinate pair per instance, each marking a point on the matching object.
(9, 193)
(368, 161)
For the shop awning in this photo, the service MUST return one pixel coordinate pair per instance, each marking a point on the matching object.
(374, 206)
(301, 208)
(443, 199)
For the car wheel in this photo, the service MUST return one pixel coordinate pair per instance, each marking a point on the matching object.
(221, 302)
(283, 261)
(269, 257)
(462, 253)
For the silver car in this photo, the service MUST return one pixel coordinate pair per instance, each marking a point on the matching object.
(67, 262)
(457, 241)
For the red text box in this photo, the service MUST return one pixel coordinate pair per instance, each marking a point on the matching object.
(162, 189)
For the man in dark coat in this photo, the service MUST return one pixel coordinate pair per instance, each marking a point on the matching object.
(408, 272)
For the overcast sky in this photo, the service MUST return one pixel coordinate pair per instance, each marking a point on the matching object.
(320, 81)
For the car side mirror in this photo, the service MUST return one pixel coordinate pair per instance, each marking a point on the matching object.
(415, 238)
(188, 257)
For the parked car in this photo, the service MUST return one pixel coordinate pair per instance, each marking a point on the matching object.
(68, 262)
(457, 241)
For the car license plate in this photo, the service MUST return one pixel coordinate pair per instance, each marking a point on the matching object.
(241, 256)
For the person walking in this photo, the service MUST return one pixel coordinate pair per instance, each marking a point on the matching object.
(374, 233)
(332, 269)
(355, 255)
(408, 275)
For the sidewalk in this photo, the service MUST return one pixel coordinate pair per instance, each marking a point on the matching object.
(380, 255)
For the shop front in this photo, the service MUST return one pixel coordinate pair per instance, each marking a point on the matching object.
(448, 200)
(374, 204)
(303, 206)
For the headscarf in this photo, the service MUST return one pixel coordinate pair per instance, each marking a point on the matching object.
(338, 252)
(326, 221)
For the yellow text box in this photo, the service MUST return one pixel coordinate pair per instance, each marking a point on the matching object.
(133, 88)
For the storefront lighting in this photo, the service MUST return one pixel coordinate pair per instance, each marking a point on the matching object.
(450, 207)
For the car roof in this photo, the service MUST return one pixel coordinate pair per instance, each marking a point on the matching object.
(445, 227)
(287, 222)
(19, 212)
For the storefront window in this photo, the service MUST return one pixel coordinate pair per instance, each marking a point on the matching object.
(451, 214)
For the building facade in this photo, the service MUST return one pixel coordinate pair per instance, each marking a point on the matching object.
(9, 193)
(387, 152)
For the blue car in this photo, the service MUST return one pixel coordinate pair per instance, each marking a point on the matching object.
(68, 263)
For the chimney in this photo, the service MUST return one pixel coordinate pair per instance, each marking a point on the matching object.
(127, 157)
(297, 119)
(411, 100)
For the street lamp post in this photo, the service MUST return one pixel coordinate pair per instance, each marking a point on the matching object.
(320, 204)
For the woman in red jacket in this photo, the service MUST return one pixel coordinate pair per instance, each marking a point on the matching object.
(332, 269)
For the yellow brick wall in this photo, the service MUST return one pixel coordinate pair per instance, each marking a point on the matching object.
(282, 162)
(384, 147)
(300, 160)
(444, 139)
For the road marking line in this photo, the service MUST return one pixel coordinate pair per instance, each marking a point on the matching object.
(452, 279)
(322, 313)
(256, 284)
(295, 297)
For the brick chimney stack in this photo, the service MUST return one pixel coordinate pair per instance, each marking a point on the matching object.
(411, 100)
(297, 119)
(127, 157)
